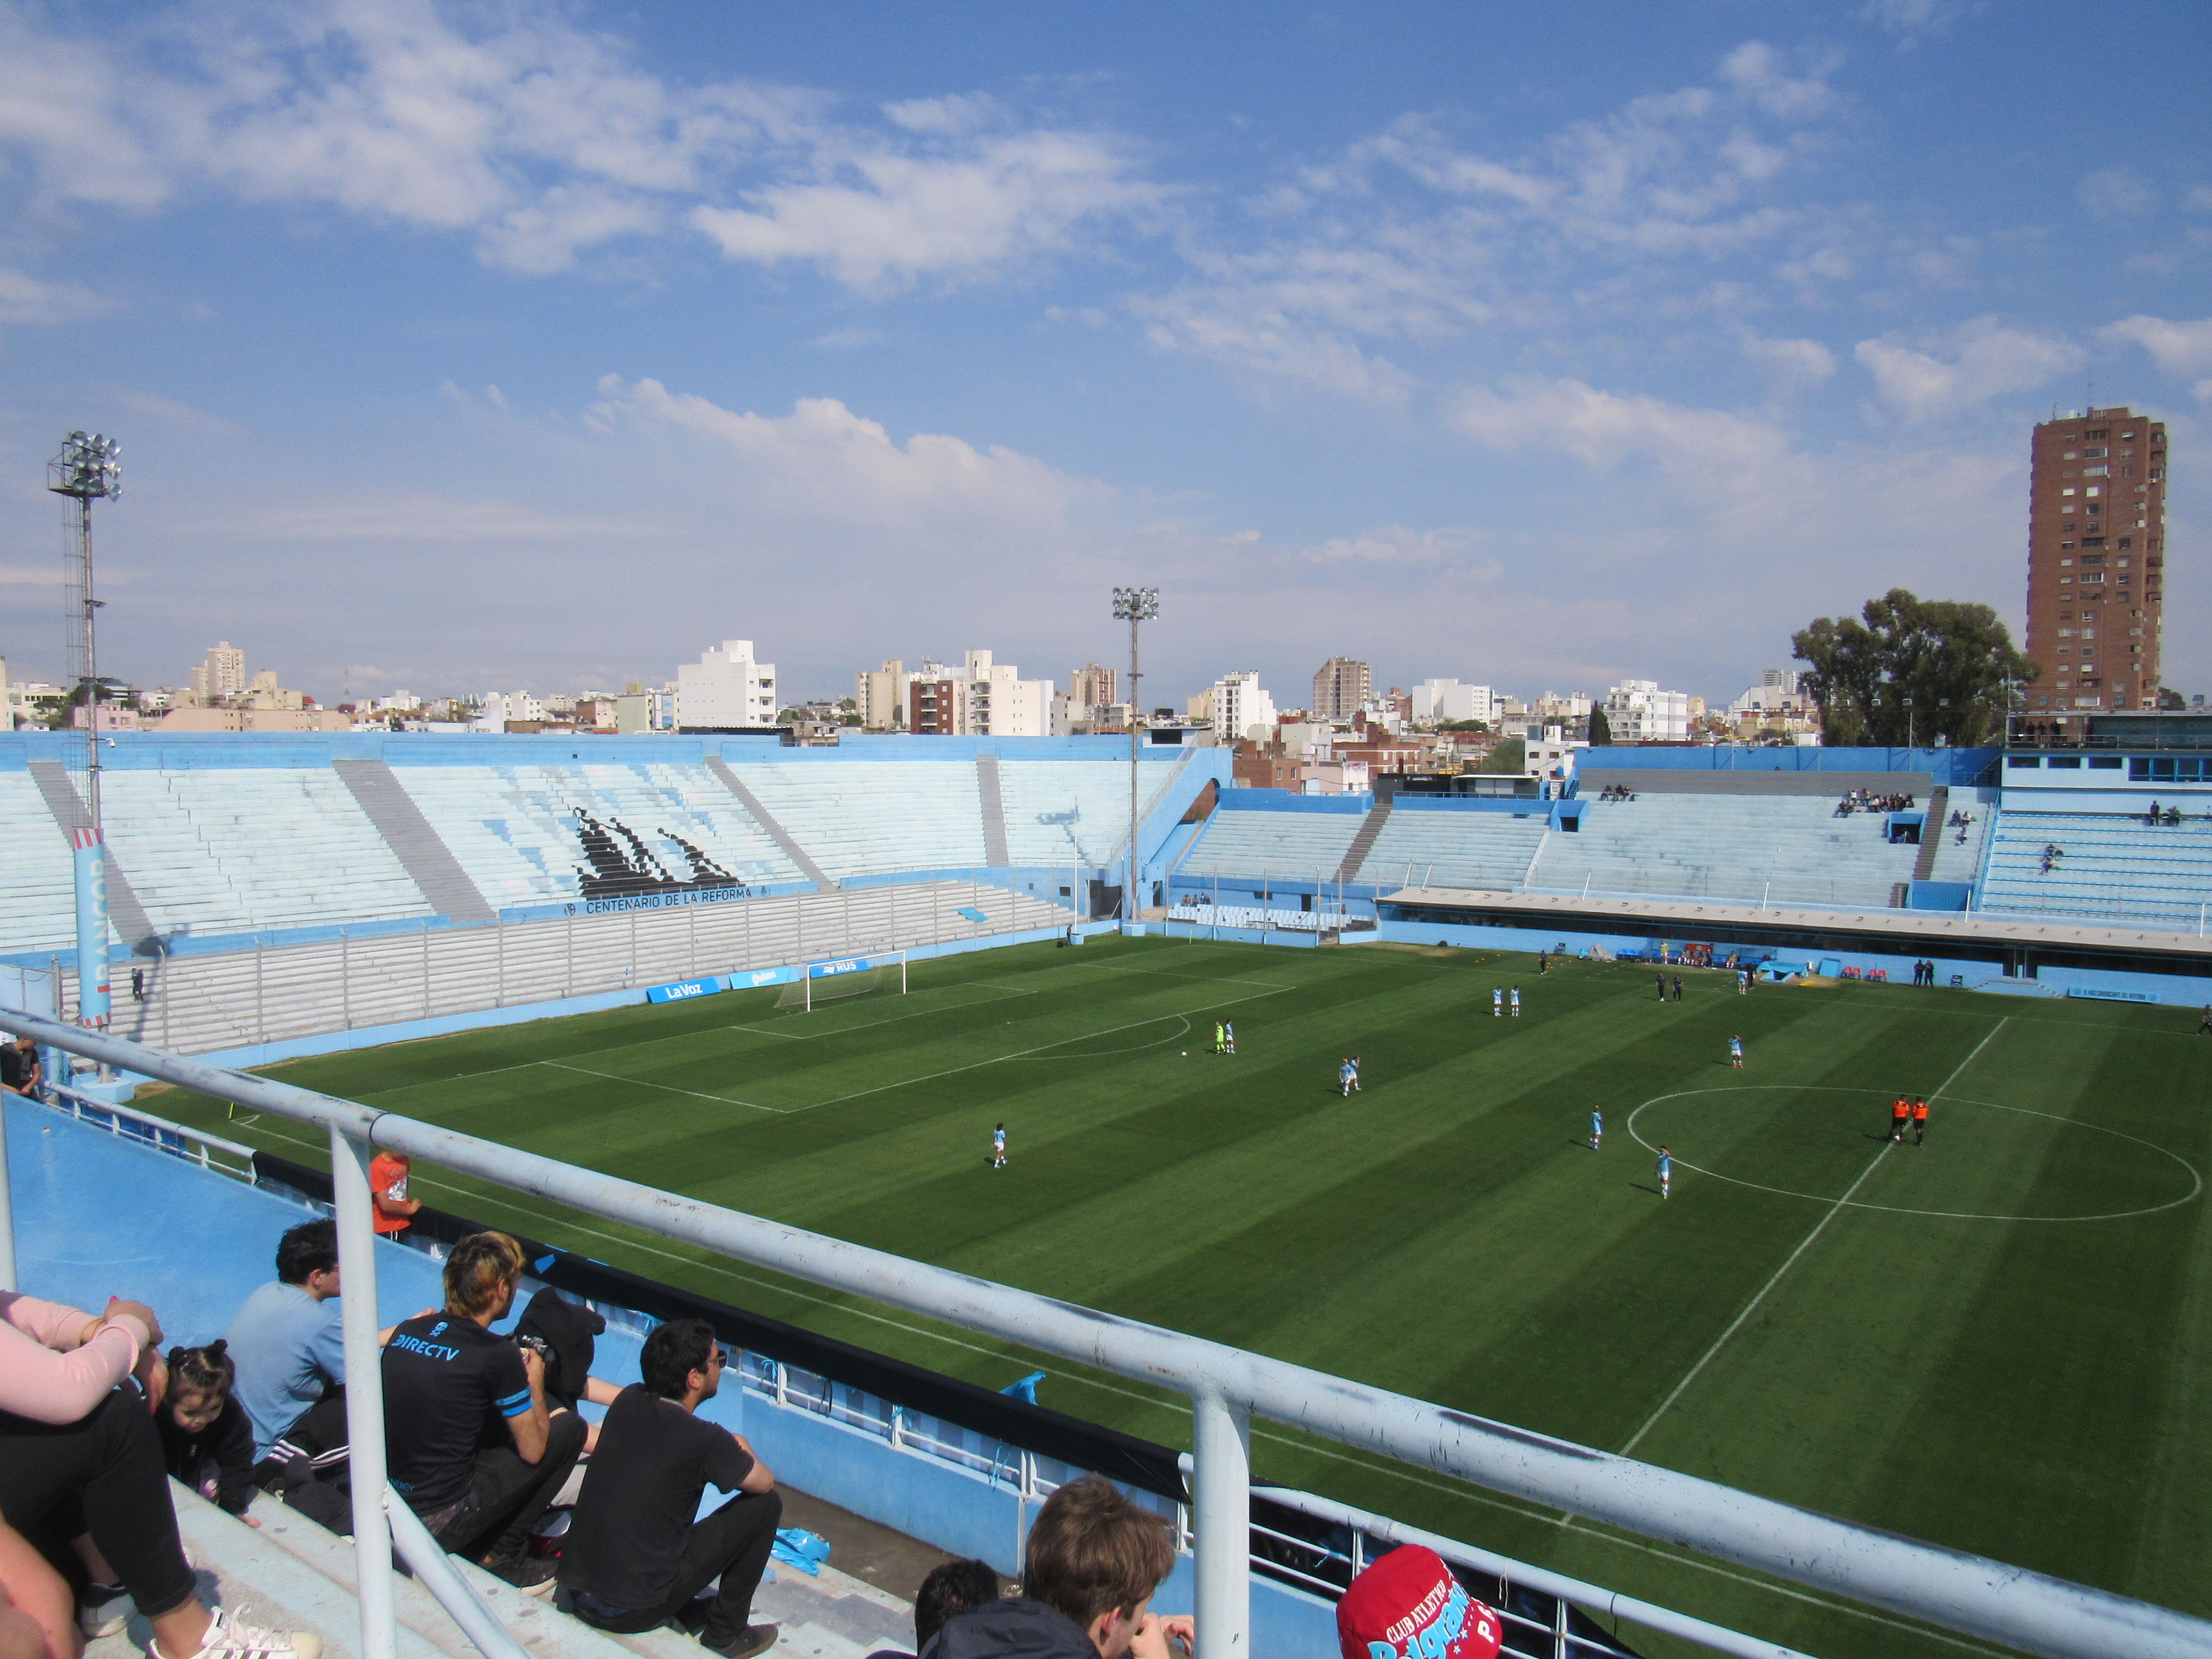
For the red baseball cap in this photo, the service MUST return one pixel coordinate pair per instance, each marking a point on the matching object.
(1409, 1605)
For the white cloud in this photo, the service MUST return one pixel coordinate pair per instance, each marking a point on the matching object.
(1707, 447)
(1913, 21)
(542, 141)
(1793, 364)
(884, 216)
(1400, 545)
(2179, 348)
(1969, 364)
(32, 576)
(27, 299)
(2115, 193)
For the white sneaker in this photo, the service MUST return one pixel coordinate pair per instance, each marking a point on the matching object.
(106, 1608)
(229, 1638)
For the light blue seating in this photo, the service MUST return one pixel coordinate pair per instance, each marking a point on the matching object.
(513, 827)
(1200, 913)
(2113, 869)
(1419, 848)
(1788, 849)
(1294, 846)
(38, 885)
(864, 817)
(234, 849)
(1029, 790)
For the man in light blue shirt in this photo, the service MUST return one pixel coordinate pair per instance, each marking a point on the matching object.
(289, 1344)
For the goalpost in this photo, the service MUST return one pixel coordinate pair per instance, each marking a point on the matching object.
(835, 977)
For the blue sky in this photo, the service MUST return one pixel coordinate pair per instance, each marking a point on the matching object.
(456, 347)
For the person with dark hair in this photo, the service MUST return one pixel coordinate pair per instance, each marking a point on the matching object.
(1094, 1560)
(634, 1557)
(469, 1440)
(19, 1067)
(207, 1440)
(953, 1586)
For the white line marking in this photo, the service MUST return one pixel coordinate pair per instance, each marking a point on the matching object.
(643, 1083)
(1765, 1290)
(1005, 992)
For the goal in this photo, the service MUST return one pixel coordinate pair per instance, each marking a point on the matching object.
(845, 976)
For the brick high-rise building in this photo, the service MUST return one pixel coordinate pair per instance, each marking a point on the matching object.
(2096, 561)
(1344, 687)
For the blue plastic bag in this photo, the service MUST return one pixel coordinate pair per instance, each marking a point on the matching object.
(798, 1547)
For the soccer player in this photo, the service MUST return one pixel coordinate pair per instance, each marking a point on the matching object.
(1597, 1130)
(999, 1147)
(1735, 1052)
(1901, 1110)
(1344, 1076)
(1662, 987)
(1919, 1121)
(1220, 1037)
(1516, 1002)
(1497, 1001)
(1229, 1036)
(1678, 988)
(1666, 1173)
(1743, 982)
(1355, 1073)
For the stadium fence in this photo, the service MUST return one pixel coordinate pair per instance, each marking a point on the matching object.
(1947, 1589)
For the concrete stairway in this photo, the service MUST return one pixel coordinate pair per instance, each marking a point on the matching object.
(994, 813)
(446, 886)
(767, 821)
(1931, 832)
(289, 1574)
(125, 913)
(1364, 842)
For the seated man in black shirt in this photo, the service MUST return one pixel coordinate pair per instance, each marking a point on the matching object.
(468, 1439)
(633, 1558)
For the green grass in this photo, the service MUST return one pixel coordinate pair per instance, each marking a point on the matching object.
(1925, 1358)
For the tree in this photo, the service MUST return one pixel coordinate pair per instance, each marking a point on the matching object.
(1915, 669)
(1510, 757)
(2170, 698)
(1601, 735)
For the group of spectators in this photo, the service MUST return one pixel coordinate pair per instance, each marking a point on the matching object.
(2052, 854)
(1858, 800)
(1616, 792)
(2157, 815)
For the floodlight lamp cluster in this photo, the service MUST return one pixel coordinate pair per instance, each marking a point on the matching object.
(1136, 604)
(90, 466)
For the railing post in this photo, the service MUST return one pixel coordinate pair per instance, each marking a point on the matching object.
(1221, 1448)
(6, 1204)
(372, 1532)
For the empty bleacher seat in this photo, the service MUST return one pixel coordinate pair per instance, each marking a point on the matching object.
(2111, 868)
(1032, 791)
(1306, 846)
(37, 902)
(860, 817)
(1424, 846)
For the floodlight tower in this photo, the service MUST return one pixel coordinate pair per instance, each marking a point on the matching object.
(89, 469)
(1134, 605)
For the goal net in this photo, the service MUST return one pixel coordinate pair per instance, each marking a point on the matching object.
(845, 976)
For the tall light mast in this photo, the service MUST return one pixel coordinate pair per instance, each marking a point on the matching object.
(89, 469)
(1135, 605)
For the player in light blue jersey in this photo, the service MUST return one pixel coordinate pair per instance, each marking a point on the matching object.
(1497, 1000)
(1666, 1172)
(1736, 1053)
(1597, 1130)
(1516, 995)
(999, 1147)
(1344, 1076)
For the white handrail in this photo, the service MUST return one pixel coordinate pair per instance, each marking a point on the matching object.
(137, 1114)
(1973, 1594)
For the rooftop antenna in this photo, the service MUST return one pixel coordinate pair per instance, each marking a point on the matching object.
(89, 468)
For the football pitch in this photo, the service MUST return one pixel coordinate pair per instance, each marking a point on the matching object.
(1997, 1340)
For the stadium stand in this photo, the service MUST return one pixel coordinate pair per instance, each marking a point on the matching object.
(1097, 791)
(2107, 865)
(1199, 914)
(1791, 849)
(1288, 844)
(1446, 849)
(857, 818)
(237, 849)
(513, 826)
(37, 905)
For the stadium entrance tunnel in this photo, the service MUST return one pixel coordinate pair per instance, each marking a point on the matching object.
(1982, 1160)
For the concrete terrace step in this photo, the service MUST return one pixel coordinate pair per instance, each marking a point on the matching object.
(287, 1573)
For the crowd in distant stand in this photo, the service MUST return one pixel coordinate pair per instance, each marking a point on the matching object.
(1858, 800)
(1616, 792)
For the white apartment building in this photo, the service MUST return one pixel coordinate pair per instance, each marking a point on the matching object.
(1239, 708)
(1638, 711)
(221, 676)
(726, 687)
(1447, 700)
(879, 695)
(993, 700)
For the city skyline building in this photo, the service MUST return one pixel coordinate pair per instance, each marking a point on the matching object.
(220, 676)
(2096, 561)
(1342, 687)
(726, 687)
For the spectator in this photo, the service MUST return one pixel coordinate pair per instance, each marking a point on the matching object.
(19, 1067)
(80, 1455)
(288, 1347)
(1094, 1559)
(388, 1174)
(954, 1587)
(207, 1439)
(633, 1558)
(469, 1442)
(1409, 1601)
(36, 1621)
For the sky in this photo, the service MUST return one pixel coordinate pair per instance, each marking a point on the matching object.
(456, 348)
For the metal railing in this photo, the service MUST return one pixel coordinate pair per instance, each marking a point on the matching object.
(193, 1145)
(1949, 1589)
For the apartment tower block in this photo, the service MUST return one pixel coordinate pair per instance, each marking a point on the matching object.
(1344, 687)
(2096, 563)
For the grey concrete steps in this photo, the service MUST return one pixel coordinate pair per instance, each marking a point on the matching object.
(420, 852)
(1364, 842)
(994, 813)
(125, 912)
(768, 822)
